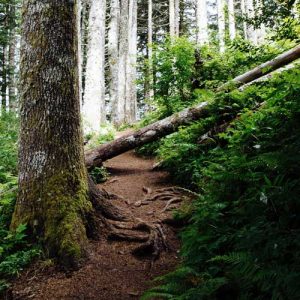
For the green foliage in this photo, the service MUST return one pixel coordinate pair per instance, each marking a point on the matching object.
(243, 238)
(174, 66)
(105, 135)
(99, 175)
(15, 252)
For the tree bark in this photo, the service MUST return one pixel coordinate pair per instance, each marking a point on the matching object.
(231, 19)
(123, 54)
(145, 135)
(94, 97)
(265, 68)
(53, 185)
(172, 18)
(113, 58)
(159, 129)
(221, 25)
(131, 61)
(202, 22)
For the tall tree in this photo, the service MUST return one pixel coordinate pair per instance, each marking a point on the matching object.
(94, 96)
(252, 33)
(202, 22)
(231, 19)
(150, 91)
(52, 198)
(221, 24)
(131, 61)
(123, 55)
(113, 58)
(172, 18)
(244, 14)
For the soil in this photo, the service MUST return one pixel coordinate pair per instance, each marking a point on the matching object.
(111, 272)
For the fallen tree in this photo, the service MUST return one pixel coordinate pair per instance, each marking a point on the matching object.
(265, 68)
(159, 129)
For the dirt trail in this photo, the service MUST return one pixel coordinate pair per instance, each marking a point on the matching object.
(111, 273)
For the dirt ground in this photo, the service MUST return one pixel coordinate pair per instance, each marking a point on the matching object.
(112, 272)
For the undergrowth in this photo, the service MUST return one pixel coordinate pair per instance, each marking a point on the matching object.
(15, 251)
(242, 241)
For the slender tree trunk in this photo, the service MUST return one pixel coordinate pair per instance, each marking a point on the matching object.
(94, 97)
(4, 77)
(52, 198)
(231, 16)
(202, 22)
(123, 54)
(172, 18)
(11, 76)
(252, 33)
(113, 58)
(221, 25)
(243, 9)
(150, 90)
(131, 61)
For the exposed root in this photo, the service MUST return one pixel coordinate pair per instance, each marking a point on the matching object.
(173, 195)
(120, 225)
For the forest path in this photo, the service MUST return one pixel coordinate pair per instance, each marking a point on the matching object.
(111, 273)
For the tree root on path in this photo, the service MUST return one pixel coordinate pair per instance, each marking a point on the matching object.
(173, 195)
(119, 224)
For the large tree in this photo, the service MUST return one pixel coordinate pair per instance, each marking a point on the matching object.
(53, 187)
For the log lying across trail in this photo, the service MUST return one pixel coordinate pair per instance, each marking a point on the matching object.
(150, 133)
(159, 129)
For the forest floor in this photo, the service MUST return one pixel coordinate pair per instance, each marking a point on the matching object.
(111, 272)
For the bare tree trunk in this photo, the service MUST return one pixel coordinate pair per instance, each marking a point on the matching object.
(94, 97)
(123, 53)
(113, 58)
(150, 90)
(231, 21)
(79, 31)
(172, 18)
(245, 28)
(252, 33)
(221, 24)
(53, 186)
(202, 22)
(131, 61)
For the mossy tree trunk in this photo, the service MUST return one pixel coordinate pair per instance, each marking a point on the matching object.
(53, 186)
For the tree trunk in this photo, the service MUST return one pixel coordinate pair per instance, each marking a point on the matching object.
(123, 54)
(4, 78)
(221, 25)
(202, 22)
(265, 68)
(94, 97)
(243, 9)
(131, 61)
(145, 135)
(113, 58)
(231, 21)
(150, 91)
(53, 186)
(172, 18)
(252, 33)
(159, 129)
